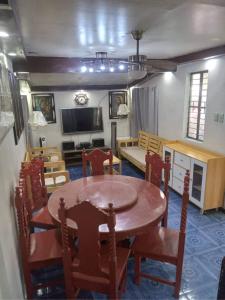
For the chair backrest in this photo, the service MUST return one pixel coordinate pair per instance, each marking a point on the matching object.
(183, 221)
(88, 219)
(96, 159)
(185, 201)
(154, 167)
(38, 164)
(23, 222)
(34, 177)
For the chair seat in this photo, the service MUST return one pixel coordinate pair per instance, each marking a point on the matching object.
(160, 243)
(122, 257)
(45, 249)
(43, 219)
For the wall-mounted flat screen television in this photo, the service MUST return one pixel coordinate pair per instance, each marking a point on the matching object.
(81, 120)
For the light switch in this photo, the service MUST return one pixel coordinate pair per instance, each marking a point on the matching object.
(221, 118)
(216, 117)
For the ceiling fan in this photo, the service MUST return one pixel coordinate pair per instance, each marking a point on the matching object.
(140, 65)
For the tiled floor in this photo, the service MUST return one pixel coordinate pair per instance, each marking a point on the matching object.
(205, 247)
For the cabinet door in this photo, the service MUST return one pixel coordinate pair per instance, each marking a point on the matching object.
(198, 174)
(169, 152)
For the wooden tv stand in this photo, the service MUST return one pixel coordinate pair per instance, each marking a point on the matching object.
(74, 157)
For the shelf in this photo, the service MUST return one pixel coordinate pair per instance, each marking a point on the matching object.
(198, 172)
(197, 187)
(74, 157)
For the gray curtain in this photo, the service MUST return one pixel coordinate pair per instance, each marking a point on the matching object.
(144, 111)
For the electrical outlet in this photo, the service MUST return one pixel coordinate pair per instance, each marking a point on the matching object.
(216, 117)
(221, 118)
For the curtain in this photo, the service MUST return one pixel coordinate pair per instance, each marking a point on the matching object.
(144, 111)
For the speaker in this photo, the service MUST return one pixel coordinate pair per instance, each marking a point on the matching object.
(113, 136)
(43, 142)
(68, 146)
(98, 142)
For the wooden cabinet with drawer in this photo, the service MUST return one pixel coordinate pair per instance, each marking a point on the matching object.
(207, 173)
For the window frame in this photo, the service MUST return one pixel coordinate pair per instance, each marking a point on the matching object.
(199, 105)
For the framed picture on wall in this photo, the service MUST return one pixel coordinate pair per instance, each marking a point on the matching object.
(115, 99)
(45, 103)
(17, 106)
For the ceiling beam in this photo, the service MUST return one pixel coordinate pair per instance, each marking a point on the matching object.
(37, 64)
(58, 88)
(216, 51)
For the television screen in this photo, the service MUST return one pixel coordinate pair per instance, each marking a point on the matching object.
(81, 120)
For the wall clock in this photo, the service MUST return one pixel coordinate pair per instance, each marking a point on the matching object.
(81, 99)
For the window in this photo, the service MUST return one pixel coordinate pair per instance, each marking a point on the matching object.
(197, 105)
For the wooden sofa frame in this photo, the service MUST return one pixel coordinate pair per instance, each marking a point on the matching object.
(53, 168)
(145, 141)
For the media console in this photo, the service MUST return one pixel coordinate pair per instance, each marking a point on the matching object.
(74, 156)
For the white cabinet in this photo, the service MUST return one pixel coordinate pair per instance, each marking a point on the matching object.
(207, 173)
(197, 188)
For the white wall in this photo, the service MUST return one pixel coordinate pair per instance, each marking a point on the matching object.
(53, 132)
(173, 97)
(10, 159)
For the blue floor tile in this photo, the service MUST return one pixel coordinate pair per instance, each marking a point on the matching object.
(212, 259)
(195, 275)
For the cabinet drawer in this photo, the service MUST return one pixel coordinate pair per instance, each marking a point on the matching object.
(178, 185)
(182, 160)
(179, 172)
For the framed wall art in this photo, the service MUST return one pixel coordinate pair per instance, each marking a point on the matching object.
(6, 108)
(45, 103)
(115, 99)
(17, 106)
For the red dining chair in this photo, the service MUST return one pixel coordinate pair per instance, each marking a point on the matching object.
(38, 250)
(32, 176)
(96, 159)
(154, 168)
(165, 245)
(97, 267)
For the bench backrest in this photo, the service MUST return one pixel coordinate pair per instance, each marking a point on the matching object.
(143, 139)
(151, 142)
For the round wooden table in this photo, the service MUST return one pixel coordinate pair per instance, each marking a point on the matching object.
(138, 204)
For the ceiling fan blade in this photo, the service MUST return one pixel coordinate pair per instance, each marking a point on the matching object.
(162, 65)
(129, 63)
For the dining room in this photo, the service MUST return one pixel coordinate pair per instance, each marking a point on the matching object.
(112, 152)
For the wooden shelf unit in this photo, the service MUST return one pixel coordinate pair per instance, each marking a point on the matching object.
(74, 157)
(207, 173)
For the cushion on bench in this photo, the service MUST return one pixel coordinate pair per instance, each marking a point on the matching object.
(136, 152)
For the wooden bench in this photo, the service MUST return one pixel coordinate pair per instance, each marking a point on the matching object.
(134, 149)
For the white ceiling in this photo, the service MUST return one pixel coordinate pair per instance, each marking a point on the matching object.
(69, 28)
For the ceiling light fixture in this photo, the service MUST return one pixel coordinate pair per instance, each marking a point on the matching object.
(12, 54)
(4, 34)
(102, 67)
(121, 67)
(83, 69)
(101, 63)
